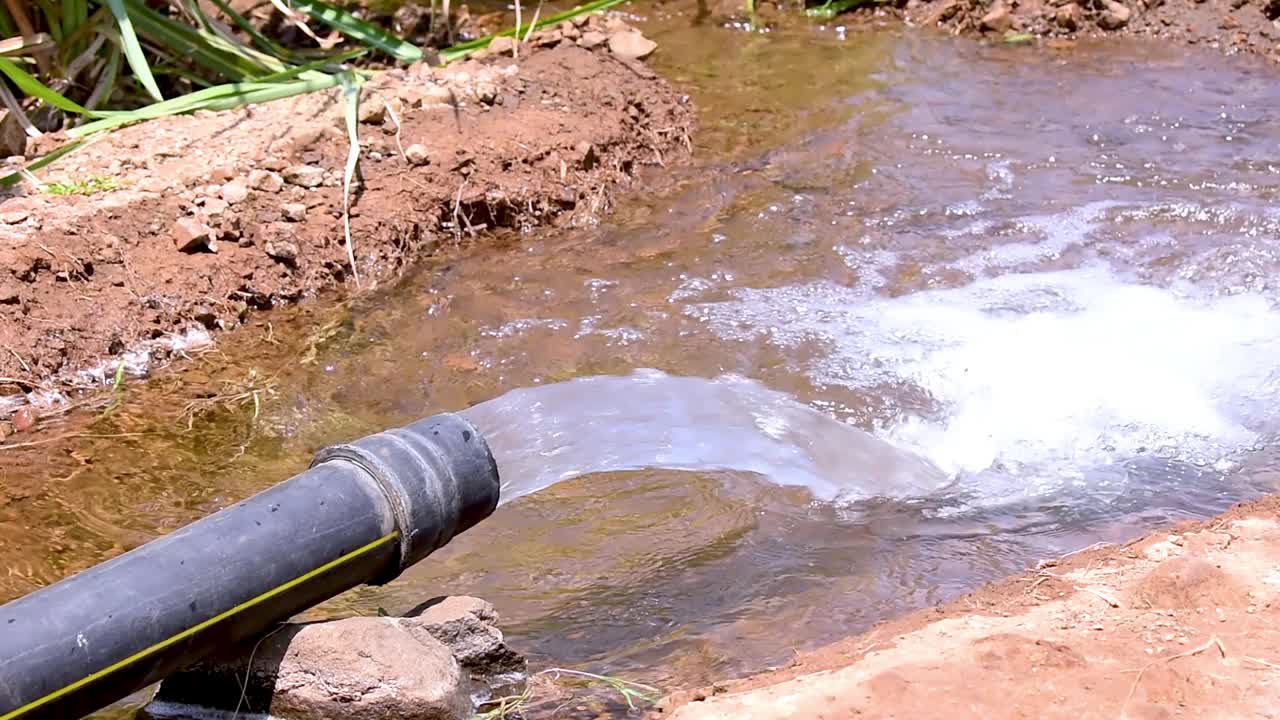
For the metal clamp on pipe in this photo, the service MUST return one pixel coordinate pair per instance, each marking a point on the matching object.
(361, 513)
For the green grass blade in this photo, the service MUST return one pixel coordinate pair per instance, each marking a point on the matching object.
(133, 49)
(36, 89)
(359, 30)
(53, 18)
(462, 50)
(106, 81)
(185, 41)
(13, 178)
(312, 67)
(266, 43)
(218, 97)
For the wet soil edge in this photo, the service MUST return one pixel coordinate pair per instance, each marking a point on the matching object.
(1231, 26)
(502, 147)
(1012, 597)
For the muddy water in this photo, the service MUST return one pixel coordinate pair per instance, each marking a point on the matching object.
(1049, 276)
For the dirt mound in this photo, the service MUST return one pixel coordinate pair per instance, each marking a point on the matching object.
(1232, 25)
(1178, 624)
(208, 218)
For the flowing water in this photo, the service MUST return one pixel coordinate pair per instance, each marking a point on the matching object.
(925, 312)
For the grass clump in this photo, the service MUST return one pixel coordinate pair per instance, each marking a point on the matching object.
(91, 66)
(513, 706)
(91, 185)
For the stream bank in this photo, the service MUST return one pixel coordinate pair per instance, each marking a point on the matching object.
(143, 245)
(1178, 623)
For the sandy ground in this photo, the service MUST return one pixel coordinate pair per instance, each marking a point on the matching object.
(1183, 623)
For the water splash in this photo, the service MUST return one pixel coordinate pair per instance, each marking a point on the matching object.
(1042, 382)
(649, 419)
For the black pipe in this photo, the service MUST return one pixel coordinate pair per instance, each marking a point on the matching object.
(361, 514)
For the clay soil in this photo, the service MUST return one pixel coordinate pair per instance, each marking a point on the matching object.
(216, 216)
(1233, 26)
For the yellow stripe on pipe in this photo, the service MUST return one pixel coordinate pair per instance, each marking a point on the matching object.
(34, 704)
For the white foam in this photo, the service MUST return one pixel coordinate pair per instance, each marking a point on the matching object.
(1058, 371)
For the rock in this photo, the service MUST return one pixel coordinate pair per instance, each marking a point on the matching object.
(1069, 16)
(235, 192)
(501, 45)
(469, 627)
(569, 31)
(1115, 15)
(265, 180)
(13, 217)
(547, 38)
(9, 294)
(998, 18)
(486, 92)
(190, 235)
(373, 110)
(213, 209)
(943, 13)
(631, 45)
(24, 418)
(294, 212)
(13, 139)
(360, 668)
(438, 96)
(416, 155)
(221, 174)
(307, 176)
(585, 154)
(592, 39)
(283, 250)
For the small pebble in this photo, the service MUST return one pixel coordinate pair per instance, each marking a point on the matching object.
(24, 418)
(416, 155)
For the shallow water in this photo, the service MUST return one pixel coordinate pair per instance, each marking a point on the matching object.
(1011, 302)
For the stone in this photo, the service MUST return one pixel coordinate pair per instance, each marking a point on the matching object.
(24, 418)
(485, 92)
(437, 95)
(190, 235)
(502, 45)
(1115, 15)
(360, 668)
(13, 217)
(592, 39)
(307, 176)
(416, 155)
(13, 139)
(998, 18)
(9, 294)
(214, 209)
(265, 180)
(469, 627)
(284, 251)
(1069, 16)
(235, 192)
(373, 110)
(586, 155)
(294, 212)
(631, 45)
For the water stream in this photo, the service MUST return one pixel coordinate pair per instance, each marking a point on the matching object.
(925, 312)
